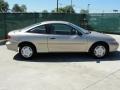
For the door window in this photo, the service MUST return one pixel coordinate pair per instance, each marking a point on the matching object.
(62, 29)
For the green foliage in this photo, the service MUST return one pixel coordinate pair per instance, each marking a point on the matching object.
(83, 11)
(69, 9)
(24, 8)
(4, 7)
(53, 11)
(18, 9)
(66, 9)
(44, 11)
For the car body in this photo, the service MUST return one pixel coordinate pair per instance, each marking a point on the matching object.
(59, 36)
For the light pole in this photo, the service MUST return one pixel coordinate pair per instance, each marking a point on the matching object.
(57, 5)
(88, 7)
(71, 3)
(71, 6)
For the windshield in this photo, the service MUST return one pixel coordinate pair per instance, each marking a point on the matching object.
(80, 29)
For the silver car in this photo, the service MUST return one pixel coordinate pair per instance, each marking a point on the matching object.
(59, 36)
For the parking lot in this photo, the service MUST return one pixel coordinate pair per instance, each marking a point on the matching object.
(70, 71)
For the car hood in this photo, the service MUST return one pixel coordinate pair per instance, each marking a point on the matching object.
(99, 36)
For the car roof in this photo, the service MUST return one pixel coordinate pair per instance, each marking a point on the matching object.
(50, 22)
(44, 22)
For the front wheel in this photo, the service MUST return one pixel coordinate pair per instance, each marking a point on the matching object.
(27, 51)
(99, 51)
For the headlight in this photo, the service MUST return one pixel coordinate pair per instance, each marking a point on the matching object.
(113, 42)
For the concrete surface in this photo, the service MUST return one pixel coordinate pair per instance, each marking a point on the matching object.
(72, 71)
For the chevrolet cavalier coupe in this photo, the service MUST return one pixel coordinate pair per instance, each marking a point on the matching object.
(59, 36)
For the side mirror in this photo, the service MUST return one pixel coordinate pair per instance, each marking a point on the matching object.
(79, 33)
(76, 32)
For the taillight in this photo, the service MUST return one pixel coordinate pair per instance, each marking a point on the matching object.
(8, 37)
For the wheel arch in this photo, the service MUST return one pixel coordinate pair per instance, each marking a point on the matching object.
(27, 43)
(100, 42)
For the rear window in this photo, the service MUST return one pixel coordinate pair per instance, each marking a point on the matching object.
(40, 30)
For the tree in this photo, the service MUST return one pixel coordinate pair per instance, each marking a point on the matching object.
(44, 11)
(16, 8)
(84, 11)
(24, 8)
(19, 9)
(69, 9)
(66, 9)
(53, 11)
(4, 7)
(60, 10)
(84, 22)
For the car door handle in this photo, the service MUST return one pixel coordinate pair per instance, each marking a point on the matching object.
(52, 38)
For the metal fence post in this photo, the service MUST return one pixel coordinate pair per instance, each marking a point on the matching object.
(35, 16)
(5, 25)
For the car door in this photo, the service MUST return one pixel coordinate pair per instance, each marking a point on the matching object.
(64, 38)
(38, 36)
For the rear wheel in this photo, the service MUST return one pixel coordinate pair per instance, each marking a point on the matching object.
(99, 50)
(27, 51)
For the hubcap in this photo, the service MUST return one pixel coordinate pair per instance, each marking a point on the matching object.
(27, 51)
(99, 51)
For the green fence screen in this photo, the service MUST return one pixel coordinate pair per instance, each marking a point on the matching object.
(107, 22)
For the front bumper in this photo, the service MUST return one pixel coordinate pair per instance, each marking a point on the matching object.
(12, 46)
(114, 46)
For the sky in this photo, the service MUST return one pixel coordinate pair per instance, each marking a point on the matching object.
(96, 6)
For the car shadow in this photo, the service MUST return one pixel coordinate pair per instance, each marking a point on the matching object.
(68, 57)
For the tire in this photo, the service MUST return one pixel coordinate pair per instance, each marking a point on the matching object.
(99, 50)
(27, 51)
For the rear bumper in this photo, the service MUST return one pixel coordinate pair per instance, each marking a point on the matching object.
(12, 46)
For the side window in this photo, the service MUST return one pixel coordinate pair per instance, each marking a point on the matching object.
(62, 29)
(40, 30)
